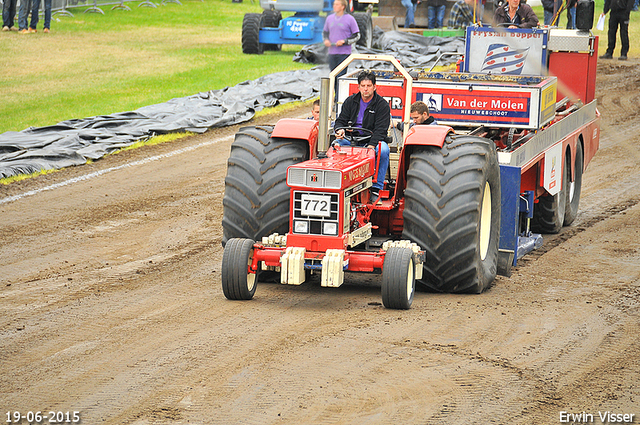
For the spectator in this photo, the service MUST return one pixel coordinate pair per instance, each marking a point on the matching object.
(47, 15)
(462, 14)
(26, 7)
(367, 109)
(410, 5)
(620, 11)
(339, 33)
(435, 12)
(571, 14)
(516, 15)
(551, 8)
(9, 15)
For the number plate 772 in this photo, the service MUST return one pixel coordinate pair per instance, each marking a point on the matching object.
(316, 205)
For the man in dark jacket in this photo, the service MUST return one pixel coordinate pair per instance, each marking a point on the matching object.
(367, 109)
(516, 15)
(620, 11)
(551, 9)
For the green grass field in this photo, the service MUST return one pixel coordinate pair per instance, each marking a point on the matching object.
(93, 64)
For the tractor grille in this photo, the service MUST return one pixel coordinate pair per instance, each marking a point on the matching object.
(315, 213)
(314, 178)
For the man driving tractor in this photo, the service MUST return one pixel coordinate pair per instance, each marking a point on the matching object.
(366, 109)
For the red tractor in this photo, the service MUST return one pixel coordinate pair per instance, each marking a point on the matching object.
(458, 200)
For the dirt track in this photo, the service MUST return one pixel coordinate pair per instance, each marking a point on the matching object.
(111, 305)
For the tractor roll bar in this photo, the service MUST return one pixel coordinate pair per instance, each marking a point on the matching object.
(327, 98)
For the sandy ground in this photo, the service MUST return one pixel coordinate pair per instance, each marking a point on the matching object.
(111, 305)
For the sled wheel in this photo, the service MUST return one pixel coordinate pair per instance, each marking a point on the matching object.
(398, 278)
(574, 188)
(549, 211)
(237, 282)
(452, 211)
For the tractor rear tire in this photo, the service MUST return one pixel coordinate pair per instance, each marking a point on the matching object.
(549, 211)
(452, 210)
(251, 24)
(237, 282)
(574, 188)
(271, 19)
(398, 278)
(365, 24)
(256, 197)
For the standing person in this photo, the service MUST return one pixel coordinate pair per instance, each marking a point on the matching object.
(620, 11)
(26, 7)
(339, 33)
(435, 12)
(410, 5)
(9, 15)
(47, 16)
(367, 109)
(462, 14)
(516, 15)
(551, 7)
(571, 14)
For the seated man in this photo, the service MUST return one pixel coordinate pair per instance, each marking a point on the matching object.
(419, 114)
(515, 15)
(367, 109)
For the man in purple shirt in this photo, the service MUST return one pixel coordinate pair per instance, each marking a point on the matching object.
(339, 33)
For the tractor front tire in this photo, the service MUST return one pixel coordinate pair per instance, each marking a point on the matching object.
(365, 24)
(256, 197)
(574, 188)
(549, 211)
(398, 278)
(251, 24)
(452, 210)
(237, 282)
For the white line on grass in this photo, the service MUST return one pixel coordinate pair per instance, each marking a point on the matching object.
(108, 170)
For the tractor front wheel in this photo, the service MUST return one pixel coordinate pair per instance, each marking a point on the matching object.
(398, 278)
(452, 210)
(237, 282)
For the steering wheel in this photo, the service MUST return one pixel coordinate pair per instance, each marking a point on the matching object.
(350, 134)
(508, 24)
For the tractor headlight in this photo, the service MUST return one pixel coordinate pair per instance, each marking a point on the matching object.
(300, 226)
(330, 228)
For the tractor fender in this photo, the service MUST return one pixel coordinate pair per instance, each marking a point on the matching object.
(430, 135)
(290, 128)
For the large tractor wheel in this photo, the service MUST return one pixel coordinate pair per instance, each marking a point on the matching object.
(398, 278)
(256, 197)
(271, 19)
(452, 210)
(251, 24)
(237, 282)
(549, 211)
(365, 24)
(574, 188)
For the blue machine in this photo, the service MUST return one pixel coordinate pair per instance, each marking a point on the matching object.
(269, 31)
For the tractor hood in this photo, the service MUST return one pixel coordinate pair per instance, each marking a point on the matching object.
(342, 168)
